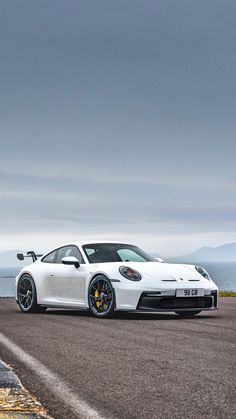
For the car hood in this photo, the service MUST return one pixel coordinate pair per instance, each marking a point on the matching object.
(154, 271)
(169, 272)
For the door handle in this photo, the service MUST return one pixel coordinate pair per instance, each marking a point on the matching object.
(51, 275)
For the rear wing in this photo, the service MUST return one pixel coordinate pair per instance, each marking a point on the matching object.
(29, 254)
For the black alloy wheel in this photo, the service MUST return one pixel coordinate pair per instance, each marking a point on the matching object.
(187, 313)
(101, 296)
(26, 295)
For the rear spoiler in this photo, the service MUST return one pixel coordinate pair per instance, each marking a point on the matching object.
(29, 254)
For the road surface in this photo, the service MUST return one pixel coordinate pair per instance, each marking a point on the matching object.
(130, 366)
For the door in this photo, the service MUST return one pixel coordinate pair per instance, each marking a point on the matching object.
(66, 283)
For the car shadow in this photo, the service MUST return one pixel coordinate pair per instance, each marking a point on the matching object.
(123, 315)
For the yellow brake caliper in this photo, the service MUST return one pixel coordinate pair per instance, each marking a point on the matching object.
(97, 295)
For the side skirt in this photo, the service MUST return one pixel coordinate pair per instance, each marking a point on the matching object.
(72, 307)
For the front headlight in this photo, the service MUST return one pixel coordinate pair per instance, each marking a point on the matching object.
(130, 273)
(203, 272)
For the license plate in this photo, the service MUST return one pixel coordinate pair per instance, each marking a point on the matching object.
(190, 292)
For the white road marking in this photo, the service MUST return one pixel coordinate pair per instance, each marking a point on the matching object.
(52, 381)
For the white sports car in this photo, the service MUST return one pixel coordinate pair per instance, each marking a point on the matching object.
(108, 276)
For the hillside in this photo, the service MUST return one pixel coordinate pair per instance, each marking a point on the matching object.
(224, 253)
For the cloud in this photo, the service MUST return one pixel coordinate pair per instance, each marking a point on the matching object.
(68, 204)
(118, 120)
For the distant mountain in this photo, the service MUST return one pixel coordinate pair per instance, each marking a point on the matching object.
(224, 253)
(8, 259)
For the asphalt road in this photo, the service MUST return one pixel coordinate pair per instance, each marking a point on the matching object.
(129, 366)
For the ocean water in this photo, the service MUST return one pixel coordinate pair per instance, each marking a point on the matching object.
(7, 281)
(222, 273)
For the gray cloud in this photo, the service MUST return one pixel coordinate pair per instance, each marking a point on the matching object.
(118, 119)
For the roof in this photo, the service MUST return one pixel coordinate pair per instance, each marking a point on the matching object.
(83, 242)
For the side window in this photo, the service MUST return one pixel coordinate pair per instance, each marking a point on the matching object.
(69, 251)
(50, 258)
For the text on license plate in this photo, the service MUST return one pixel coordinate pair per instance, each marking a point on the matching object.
(190, 292)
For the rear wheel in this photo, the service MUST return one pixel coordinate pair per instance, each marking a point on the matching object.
(101, 296)
(187, 313)
(27, 296)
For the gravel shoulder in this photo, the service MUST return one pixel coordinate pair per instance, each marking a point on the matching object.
(15, 401)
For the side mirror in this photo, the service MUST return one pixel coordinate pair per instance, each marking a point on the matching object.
(160, 260)
(70, 260)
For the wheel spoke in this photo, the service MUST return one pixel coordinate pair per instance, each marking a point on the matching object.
(22, 295)
(105, 287)
(107, 299)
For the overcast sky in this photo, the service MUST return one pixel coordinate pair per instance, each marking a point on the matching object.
(118, 121)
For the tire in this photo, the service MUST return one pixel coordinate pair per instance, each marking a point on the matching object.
(27, 295)
(187, 313)
(101, 296)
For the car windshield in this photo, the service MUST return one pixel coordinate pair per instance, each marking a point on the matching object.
(115, 252)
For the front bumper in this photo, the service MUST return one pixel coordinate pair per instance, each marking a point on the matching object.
(151, 301)
(137, 296)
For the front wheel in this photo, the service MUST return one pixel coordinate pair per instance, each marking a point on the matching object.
(27, 296)
(101, 296)
(187, 313)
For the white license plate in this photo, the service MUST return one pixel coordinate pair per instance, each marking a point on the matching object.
(190, 292)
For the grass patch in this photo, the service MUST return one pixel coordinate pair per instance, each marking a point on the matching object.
(227, 293)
